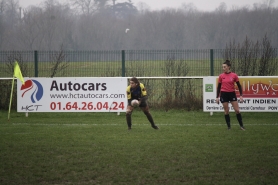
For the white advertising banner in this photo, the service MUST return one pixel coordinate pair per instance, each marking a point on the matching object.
(260, 94)
(72, 95)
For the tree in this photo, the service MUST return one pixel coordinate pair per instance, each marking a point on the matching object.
(58, 63)
(2, 23)
(267, 63)
(143, 7)
(266, 4)
(88, 7)
(252, 58)
(9, 19)
(30, 29)
(46, 28)
(124, 10)
(101, 25)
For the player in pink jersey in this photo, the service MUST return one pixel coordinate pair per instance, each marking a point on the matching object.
(226, 91)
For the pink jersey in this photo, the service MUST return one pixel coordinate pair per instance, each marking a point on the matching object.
(227, 81)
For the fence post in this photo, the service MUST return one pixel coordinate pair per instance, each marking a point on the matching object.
(211, 68)
(36, 63)
(123, 63)
(211, 63)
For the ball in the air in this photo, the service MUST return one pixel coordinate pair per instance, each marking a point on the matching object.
(134, 103)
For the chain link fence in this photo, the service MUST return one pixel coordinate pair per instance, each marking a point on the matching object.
(169, 93)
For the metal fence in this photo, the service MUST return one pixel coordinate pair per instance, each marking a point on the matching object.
(164, 93)
(206, 62)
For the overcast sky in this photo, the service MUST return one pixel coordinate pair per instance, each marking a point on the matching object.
(207, 5)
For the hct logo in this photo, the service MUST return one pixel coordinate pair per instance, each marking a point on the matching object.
(35, 87)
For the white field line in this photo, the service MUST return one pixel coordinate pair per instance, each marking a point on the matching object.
(124, 124)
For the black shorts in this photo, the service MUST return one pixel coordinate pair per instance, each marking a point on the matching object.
(227, 97)
(142, 104)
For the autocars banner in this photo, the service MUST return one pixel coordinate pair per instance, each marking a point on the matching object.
(72, 95)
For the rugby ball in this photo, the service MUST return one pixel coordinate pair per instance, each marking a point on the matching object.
(134, 103)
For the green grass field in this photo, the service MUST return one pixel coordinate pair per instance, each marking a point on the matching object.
(97, 148)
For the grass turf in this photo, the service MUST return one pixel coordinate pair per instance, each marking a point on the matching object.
(97, 148)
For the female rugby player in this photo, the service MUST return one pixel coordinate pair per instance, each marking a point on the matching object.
(136, 90)
(226, 91)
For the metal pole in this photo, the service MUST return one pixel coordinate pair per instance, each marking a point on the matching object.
(211, 63)
(123, 63)
(36, 63)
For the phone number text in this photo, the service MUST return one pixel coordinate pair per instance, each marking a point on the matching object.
(86, 106)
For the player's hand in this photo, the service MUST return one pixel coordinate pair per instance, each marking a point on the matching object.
(217, 100)
(240, 99)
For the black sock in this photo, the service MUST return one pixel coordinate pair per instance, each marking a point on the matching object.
(239, 118)
(227, 118)
(150, 118)
(128, 120)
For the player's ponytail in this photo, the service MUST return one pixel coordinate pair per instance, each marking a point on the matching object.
(228, 63)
